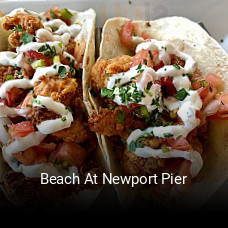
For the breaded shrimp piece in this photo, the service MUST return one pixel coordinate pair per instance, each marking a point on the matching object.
(106, 122)
(28, 23)
(59, 89)
(101, 70)
(79, 132)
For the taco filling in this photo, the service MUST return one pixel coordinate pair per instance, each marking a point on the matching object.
(157, 104)
(43, 120)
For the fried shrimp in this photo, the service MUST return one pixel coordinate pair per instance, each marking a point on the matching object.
(108, 122)
(79, 132)
(59, 89)
(28, 23)
(104, 67)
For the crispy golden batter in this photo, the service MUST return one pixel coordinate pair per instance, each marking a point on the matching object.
(38, 115)
(78, 132)
(106, 122)
(195, 143)
(135, 165)
(28, 23)
(153, 142)
(59, 89)
(10, 70)
(108, 66)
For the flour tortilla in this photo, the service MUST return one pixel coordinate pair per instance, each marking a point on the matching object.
(87, 197)
(187, 36)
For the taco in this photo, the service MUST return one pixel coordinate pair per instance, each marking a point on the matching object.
(44, 128)
(159, 92)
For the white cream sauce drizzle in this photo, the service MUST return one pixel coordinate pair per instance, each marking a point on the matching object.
(186, 108)
(51, 126)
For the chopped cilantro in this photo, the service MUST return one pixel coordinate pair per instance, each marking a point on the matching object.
(26, 38)
(131, 146)
(151, 56)
(64, 118)
(168, 135)
(136, 144)
(139, 69)
(120, 117)
(167, 124)
(48, 50)
(62, 71)
(194, 80)
(165, 150)
(108, 92)
(179, 136)
(176, 66)
(35, 101)
(9, 77)
(181, 94)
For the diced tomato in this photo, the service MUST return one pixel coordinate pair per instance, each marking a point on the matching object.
(181, 144)
(214, 80)
(143, 56)
(26, 157)
(71, 152)
(128, 30)
(34, 55)
(167, 86)
(30, 157)
(28, 68)
(207, 94)
(132, 106)
(157, 62)
(57, 14)
(13, 95)
(79, 51)
(223, 108)
(145, 36)
(63, 60)
(199, 115)
(169, 141)
(167, 81)
(44, 148)
(126, 33)
(27, 101)
(68, 22)
(40, 158)
(196, 83)
(21, 129)
(177, 60)
(158, 66)
(55, 10)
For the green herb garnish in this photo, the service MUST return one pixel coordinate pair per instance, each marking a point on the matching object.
(176, 66)
(9, 77)
(165, 150)
(62, 72)
(120, 117)
(168, 135)
(64, 118)
(181, 94)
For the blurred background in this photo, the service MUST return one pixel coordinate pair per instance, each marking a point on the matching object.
(212, 13)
